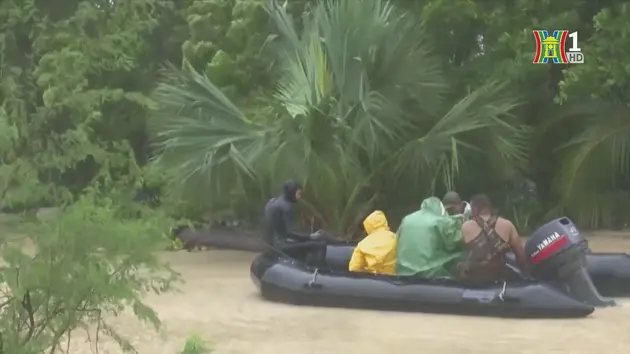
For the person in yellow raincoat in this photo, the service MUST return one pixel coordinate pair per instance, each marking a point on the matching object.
(376, 253)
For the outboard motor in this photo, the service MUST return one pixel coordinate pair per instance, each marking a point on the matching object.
(557, 253)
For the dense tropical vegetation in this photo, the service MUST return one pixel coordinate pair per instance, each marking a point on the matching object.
(414, 98)
(130, 114)
(381, 104)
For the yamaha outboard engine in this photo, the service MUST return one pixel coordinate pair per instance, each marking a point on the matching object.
(557, 253)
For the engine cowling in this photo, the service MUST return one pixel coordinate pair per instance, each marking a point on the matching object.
(556, 249)
(557, 253)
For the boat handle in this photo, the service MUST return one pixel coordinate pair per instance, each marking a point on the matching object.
(312, 284)
(503, 296)
(502, 293)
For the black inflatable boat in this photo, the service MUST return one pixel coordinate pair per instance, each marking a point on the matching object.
(556, 253)
(610, 272)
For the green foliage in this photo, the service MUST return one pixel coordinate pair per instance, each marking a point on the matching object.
(66, 78)
(370, 105)
(79, 268)
(592, 153)
(602, 77)
(196, 345)
(362, 104)
(71, 127)
(227, 40)
(429, 110)
(577, 151)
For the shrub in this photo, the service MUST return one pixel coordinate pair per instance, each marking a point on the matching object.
(196, 345)
(68, 274)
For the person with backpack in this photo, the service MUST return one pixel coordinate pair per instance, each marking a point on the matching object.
(487, 238)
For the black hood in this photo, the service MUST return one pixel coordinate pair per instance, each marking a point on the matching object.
(289, 188)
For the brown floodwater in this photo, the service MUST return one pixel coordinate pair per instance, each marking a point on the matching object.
(220, 303)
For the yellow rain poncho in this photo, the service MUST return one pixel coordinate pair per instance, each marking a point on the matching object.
(376, 253)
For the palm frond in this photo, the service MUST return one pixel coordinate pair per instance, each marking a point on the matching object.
(201, 138)
(368, 58)
(189, 93)
(437, 151)
(592, 170)
(603, 146)
(363, 104)
(285, 25)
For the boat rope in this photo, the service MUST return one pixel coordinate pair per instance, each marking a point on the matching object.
(314, 278)
(502, 293)
(315, 272)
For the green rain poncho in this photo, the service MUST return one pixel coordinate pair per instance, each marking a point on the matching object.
(429, 241)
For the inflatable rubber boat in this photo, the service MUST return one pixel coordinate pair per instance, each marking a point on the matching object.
(556, 252)
(610, 272)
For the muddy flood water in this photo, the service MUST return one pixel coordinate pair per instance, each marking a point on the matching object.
(220, 303)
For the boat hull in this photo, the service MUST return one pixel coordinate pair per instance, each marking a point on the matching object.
(610, 272)
(282, 279)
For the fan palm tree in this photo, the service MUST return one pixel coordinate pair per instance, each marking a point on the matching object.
(590, 145)
(364, 112)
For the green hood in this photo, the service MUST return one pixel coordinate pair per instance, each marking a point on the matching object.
(429, 241)
(433, 206)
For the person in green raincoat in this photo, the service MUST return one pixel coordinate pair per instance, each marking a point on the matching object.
(429, 241)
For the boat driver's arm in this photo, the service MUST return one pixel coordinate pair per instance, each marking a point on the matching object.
(517, 247)
(287, 220)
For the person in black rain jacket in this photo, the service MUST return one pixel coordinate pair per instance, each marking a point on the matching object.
(278, 220)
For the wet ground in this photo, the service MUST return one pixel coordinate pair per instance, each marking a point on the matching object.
(220, 303)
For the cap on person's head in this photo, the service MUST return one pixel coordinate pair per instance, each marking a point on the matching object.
(451, 199)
